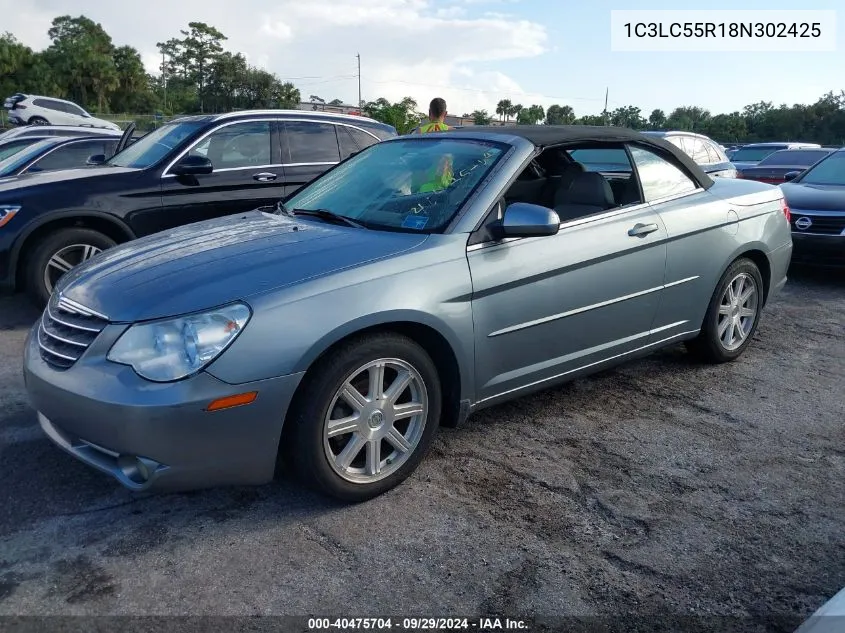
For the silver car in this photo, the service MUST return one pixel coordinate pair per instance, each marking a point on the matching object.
(418, 281)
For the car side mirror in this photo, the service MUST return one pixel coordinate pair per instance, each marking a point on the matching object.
(96, 159)
(792, 175)
(522, 219)
(193, 166)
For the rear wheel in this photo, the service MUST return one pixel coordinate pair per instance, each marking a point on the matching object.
(38, 120)
(733, 314)
(56, 254)
(365, 418)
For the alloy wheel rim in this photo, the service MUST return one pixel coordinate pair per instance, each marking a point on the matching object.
(737, 311)
(66, 258)
(375, 421)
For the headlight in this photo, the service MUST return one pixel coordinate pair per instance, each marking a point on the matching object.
(173, 349)
(7, 212)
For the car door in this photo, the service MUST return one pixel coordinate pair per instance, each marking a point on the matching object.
(699, 226)
(546, 307)
(308, 149)
(71, 155)
(246, 175)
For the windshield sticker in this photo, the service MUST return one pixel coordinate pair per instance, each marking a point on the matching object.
(415, 222)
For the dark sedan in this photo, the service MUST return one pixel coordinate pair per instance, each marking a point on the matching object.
(774, 168)
(53, 154)
(816, 199)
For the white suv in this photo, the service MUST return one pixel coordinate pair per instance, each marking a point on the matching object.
(36, 110)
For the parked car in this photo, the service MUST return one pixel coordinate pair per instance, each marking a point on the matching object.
(774, 168)
(26, 109)
(708, 154)
(397, 292)
(55, 130)
(191, 169)
(816, 199)
(56, 153)
(751, 154)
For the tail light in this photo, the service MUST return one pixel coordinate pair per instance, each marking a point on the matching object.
(785, 208)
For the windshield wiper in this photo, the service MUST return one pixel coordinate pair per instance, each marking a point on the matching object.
(324, 214)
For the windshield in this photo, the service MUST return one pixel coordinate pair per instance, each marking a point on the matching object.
(21, 158)
(149, 149)
(603, 159)
(13, 147)
(830, 171)
(754, 154)
(413, 185)
(794, 157)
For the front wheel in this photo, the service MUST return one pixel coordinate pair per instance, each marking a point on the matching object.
(733, 314)
(56, 254)
(365, 418)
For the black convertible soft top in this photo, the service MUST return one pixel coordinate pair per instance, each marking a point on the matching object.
(550, 135)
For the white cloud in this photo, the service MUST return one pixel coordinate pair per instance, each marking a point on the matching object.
(407, 47)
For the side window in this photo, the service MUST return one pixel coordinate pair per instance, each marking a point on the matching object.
(699, 152)
(659, 178)
(43, 103)
(73, 109)
(68, 156)
(352, 140)
(311, 143)
(240, 145)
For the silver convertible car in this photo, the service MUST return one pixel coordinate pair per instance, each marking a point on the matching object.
(416, 282)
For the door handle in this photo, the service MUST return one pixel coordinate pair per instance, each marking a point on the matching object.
(639, 230)
(265, 176)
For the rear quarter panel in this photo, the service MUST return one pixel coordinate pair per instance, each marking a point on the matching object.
(710, 230)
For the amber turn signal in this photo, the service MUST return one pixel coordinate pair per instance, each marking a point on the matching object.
(228, 402)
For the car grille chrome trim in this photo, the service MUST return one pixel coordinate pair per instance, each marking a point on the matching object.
(827, 224)
(66, 330)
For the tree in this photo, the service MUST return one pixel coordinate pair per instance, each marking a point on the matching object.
(514, 111)
(201, 46)
(591, 119)
(132, 93)
(689, 118)
(22, 70)
(531, 115)
(82, 57)
(627, 116)
(404, 115)
(315, 100)
(336, 102)
(479, 117)
(560, 115)
(657, 119)
(503, 109)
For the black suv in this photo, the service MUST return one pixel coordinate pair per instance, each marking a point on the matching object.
(191, 169)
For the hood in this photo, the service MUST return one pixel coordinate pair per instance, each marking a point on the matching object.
(814, 197)
(15, 183)
(207, 264)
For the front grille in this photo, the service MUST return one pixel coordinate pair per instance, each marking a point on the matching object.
(66, 330)
(823, 225)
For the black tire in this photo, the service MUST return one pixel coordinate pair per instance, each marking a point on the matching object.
(38, 120)
(304, 447)
(38, 258)
(709, 346)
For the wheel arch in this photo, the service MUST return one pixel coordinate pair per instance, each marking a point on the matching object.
(423, 331)
(757, 254)
(102, 222)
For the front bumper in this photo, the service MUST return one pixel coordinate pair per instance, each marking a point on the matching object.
(157, 436)
(825, 250)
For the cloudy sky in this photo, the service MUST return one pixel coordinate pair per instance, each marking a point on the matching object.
(471, 52)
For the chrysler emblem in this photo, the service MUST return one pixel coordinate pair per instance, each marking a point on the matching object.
(803, 223)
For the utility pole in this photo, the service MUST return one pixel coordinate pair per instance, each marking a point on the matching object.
(606, 92)
(360, 101)
(164, 78)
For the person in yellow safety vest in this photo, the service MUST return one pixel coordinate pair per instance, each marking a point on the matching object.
(436, 117)
(442, 175)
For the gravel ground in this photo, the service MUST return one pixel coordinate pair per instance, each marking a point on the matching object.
(661, 487)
